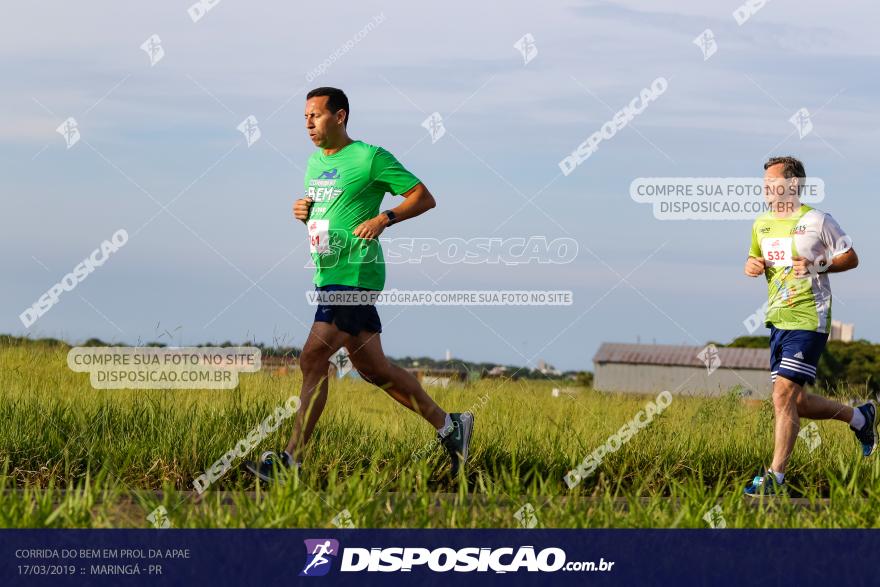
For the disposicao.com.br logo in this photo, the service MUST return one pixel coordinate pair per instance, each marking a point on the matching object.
(441, 560)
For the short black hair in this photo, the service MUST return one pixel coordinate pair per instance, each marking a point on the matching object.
(336, 100)
(791, 167)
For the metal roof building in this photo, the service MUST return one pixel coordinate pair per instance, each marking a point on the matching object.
(681, 370)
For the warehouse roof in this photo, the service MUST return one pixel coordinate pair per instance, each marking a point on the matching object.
(679, 355)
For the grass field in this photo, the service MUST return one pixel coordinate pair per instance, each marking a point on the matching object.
(71, 456)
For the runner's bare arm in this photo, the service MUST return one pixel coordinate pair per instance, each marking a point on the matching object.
(844, 262)
(416, 201)
(839, 263)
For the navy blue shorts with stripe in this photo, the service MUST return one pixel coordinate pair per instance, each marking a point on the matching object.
(350, 319)
(794, 354)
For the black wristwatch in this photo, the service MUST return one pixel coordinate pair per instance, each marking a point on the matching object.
(392, 217)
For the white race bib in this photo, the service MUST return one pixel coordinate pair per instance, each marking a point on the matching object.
(319, 236)
(776, 252)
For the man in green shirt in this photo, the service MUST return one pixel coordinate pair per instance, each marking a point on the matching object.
(795, 247)
(345, 183)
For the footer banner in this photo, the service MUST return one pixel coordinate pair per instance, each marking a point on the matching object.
(403, 557)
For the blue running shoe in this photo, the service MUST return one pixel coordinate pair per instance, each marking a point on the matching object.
(867, 434)
(271, 467)
(765, 486)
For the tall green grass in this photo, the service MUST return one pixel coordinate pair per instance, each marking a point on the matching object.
(72, 456)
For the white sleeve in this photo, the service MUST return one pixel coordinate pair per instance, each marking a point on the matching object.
(835, 240)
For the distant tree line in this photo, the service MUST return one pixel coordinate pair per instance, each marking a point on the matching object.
(473, 370)
(485, 369)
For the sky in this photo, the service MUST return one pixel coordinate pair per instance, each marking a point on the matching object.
(214, 254)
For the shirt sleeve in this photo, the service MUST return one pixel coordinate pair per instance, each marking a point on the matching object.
(836, 241)
(389, 173)
(755, 250)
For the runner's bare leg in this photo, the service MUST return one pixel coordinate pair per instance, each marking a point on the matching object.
(791, 403)
(324, 340)
(785, 394)
(816, 407)
(367, 356)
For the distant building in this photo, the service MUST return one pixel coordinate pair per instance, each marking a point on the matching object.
(652, 368)
(546, 369)
(429, 377)
(843, 331)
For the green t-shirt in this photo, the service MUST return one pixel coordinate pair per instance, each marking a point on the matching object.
(347, 188)
(798, 303)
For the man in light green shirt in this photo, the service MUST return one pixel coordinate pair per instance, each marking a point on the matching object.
(345, 183)
(795, 247)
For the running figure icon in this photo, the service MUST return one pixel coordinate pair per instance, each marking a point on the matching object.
(319, 559)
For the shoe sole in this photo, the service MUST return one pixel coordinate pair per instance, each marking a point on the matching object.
(466, 431)
(876, 428)
(253, 469)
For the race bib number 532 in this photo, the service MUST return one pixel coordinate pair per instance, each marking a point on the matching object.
(319, 236)
(776, 252)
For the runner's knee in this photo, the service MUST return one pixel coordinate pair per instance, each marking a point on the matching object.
(314, 361)
(378, 375)
(801, 400)
(378, 378)
(786, 392)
